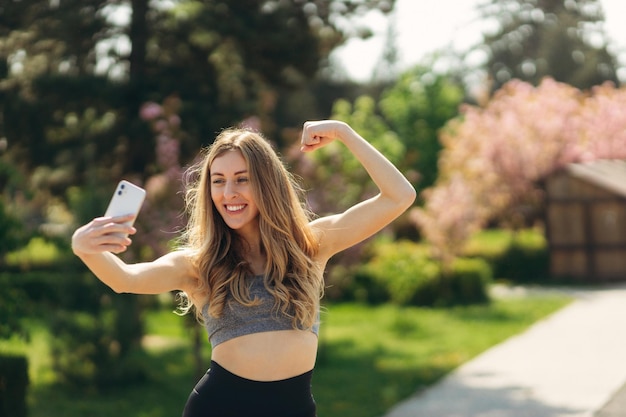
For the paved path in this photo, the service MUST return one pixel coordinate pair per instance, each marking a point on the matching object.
(616, 407)
(571, 364)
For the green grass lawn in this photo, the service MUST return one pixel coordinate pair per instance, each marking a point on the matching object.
(370, 358)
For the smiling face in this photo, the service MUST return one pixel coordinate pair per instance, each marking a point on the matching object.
(232, 194)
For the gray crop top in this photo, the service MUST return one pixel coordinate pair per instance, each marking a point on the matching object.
(238, 320)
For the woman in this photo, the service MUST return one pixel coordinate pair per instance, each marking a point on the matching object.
(251, 266)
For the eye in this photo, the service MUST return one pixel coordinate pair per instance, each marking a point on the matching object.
(217, 181)
(242, 180)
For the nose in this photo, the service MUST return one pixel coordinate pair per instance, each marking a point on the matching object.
(230, 190)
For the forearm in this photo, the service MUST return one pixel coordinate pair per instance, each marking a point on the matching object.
(109, 269)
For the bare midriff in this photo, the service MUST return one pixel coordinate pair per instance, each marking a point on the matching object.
(268, 356)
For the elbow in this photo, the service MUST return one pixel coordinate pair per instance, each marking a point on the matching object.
(408, 197)
(402, 198)
(413, 196)
(118, 289)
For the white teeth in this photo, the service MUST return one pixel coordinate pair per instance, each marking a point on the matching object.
(235, 208)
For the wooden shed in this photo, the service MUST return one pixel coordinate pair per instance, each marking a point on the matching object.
(586, 221)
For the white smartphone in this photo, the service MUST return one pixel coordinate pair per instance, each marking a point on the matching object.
(127, 199)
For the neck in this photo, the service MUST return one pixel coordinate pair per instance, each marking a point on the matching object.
(253, 253)
(250, 243)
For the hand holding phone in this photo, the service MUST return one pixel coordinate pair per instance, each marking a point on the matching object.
(127, 199)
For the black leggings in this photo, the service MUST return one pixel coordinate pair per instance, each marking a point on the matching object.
(221, 393)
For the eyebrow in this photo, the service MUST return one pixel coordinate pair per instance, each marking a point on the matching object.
(244, 171)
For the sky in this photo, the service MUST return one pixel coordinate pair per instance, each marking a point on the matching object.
(424, 26)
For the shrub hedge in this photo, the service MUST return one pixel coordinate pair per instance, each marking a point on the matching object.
(516, 256)
(13, 386)
(96, 331)
(404, 273)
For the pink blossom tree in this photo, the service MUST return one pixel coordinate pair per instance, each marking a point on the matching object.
(496, 156)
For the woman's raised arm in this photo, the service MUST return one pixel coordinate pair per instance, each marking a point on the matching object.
(340, 231)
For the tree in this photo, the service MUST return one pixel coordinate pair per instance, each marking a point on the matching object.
(495, 158)
(417, 106)
(537, 38)
(225, 60)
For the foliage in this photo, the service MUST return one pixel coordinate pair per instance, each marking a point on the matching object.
(14, 306)
(74, 74)
(491, 243)
(13, 234)
(466, 282)
(523, 263)
(96, 350)
(13, 203)
(94, 330)
(519, 256)
(405, 274)
(534, 39)
(37, 253)
(13, 394)
(10, 229)
(403, 270)
(496, 156)
(416, 107)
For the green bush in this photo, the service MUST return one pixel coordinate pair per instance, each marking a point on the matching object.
(13, 386)
(519, 256)
(404, 274)
(96, 331)
(466, 282)
(11, 231)
(89, 350)
(47, 291)
(405, 271)
(522, 263)
(13, 306)
(38, 251)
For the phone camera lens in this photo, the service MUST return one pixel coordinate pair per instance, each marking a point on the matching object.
(122, 186)
(119, 192)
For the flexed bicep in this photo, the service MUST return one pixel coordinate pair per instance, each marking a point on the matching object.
(341, 231)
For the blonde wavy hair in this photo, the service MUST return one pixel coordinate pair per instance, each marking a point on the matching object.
(287, 241)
